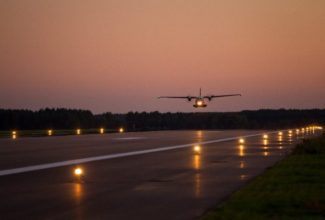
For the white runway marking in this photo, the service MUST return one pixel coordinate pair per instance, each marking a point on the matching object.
(130, 138)
(112, 156)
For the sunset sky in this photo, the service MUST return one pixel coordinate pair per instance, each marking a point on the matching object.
(120, 55)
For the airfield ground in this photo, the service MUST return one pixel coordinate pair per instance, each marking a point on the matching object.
(137, 175)
(292, 189)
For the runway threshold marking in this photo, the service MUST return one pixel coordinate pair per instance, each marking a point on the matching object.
(112, 156)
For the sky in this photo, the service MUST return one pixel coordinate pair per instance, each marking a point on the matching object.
(120, 55)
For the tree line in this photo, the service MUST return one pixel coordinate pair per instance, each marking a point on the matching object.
(60, 118)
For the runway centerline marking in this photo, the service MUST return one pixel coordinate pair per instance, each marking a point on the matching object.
(117, 155)
(130, 138)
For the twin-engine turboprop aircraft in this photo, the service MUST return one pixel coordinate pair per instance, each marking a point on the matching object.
(199, 100)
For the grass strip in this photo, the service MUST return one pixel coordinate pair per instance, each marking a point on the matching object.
(292, 189)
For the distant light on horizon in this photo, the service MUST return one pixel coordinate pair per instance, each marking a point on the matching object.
(101, 130)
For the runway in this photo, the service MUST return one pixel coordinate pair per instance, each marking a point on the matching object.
(140, 175)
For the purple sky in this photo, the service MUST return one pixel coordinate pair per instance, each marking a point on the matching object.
(119, 55)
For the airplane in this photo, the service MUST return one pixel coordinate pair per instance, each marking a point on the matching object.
(199, 100)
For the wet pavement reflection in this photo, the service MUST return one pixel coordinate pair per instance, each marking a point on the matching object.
(197, 164)
(198, 176)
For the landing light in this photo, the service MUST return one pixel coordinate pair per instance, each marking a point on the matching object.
(280, 133)
(290, 131)
(14, 132)
(121, 130)
(78, 131)
(199, 103)
(49, 132)
(265, 136)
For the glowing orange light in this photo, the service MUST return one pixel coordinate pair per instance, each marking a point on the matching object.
(49, 132)
(265, 142)
(14, 135)
(241, 150)
(199, 103)
(78, 131)
(265, 136)
(241, 141)
(78, 171)
(197, 149)
(101, 130)
(121, 130)
(280, 133)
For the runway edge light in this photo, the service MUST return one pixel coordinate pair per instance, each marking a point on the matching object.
(78, 173)
(197, 149)
(14, 134)
(101, 130)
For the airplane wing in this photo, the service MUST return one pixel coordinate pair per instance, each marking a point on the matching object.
(177, 97)
(210, 97)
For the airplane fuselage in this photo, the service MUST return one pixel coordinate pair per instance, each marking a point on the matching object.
(199, 101)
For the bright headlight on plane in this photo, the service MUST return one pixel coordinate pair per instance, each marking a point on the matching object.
(197, 149)
(13, 132)
(78, 131)
(241, 141)
(265, 136)
(290, 131)
(280, 133)
(121, 130)
(49, 132)
(199, 103)
(78, 171)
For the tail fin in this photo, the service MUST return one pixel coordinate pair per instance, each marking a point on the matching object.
(200, 93)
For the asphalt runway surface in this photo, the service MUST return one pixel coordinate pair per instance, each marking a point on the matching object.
(140, 175)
